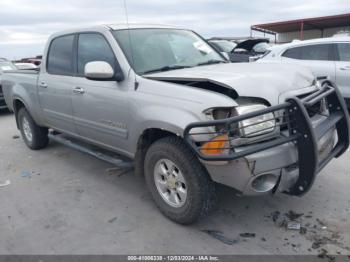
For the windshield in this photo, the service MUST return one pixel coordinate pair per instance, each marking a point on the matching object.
(5, 66)
(164, 49)
(225, 46)
(261, 47)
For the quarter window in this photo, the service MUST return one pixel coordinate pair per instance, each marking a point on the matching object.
(93, 47)
(344, 52)
(60, 55)
(315, 52)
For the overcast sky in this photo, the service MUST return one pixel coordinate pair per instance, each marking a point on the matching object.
(26, 24)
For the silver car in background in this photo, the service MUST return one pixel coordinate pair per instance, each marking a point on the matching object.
(325, 57)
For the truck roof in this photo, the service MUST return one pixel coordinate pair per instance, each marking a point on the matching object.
(137, 26)
(118, 26)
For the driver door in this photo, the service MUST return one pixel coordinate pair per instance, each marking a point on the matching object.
(100, 107)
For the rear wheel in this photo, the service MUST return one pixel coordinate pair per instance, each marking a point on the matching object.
(34, 136)
(178, 182)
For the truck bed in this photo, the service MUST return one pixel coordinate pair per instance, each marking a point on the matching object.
(24, 81)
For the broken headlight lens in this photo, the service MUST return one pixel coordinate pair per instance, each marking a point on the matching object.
(218, 113)
(258, 125)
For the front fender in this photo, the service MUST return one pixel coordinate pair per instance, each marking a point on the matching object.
(173, 120)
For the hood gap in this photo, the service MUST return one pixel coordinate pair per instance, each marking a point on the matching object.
(203, 84)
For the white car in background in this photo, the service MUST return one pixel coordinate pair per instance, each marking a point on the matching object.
(325, 57)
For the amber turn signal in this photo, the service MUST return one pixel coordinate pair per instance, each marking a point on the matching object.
(216, 146)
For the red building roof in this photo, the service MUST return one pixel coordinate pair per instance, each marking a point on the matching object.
(306, 24)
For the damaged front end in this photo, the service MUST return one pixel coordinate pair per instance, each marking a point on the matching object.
(294, 142)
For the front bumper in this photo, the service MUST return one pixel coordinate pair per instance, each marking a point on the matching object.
(290, 161)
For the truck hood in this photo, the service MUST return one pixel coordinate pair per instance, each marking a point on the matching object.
(267, 81)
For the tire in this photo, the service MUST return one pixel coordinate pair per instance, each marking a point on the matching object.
(199, 197)
(34, 136)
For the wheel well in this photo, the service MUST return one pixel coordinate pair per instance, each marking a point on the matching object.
(17, 105)
(147, 138)
(153, 134)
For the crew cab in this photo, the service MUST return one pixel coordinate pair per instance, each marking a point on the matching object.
(164, 98)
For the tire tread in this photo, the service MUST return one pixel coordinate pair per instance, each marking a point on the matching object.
(40, 134)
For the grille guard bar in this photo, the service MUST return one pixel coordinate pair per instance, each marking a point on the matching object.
(300, 132)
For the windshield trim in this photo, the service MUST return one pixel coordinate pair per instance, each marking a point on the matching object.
(170, 28)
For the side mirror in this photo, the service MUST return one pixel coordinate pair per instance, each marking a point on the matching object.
(102, 71)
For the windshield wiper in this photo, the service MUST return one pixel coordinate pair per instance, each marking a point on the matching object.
(165, 68)
(211, 62)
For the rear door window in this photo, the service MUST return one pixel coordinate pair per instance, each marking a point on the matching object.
(60, 56)
(344, 52)
(93, 47)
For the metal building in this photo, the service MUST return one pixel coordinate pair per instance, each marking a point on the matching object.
(304, 29)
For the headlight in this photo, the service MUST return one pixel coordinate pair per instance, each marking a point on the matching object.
(258, 125)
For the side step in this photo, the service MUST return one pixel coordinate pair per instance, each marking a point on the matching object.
(119, 162)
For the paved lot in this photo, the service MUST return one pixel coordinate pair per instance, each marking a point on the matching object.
(70, 205)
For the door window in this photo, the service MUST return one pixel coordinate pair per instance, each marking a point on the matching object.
(60, 55)
(320, 52)
(344, 52)
(93, 47)
(294, 53)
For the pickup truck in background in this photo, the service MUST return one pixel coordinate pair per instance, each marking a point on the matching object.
(166, 99)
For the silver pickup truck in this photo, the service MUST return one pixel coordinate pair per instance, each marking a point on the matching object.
(188, 119)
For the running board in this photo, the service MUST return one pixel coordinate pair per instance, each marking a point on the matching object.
(59, 138)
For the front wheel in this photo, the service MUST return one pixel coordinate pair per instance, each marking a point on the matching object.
(34, 136)
(178, 182)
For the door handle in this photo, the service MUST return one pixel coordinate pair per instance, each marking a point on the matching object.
(78, 90)
(43, 84)
(345, 68)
